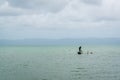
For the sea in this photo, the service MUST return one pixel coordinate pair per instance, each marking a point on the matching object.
(60, 62)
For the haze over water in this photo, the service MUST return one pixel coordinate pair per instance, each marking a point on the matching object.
(60, 63)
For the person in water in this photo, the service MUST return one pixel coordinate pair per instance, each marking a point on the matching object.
(80, 51)
(80, 48)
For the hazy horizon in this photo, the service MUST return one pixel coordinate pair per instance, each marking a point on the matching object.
(82, 41)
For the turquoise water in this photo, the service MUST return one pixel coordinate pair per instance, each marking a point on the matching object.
(59, 63)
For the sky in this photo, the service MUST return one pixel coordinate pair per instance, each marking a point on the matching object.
(57, 19)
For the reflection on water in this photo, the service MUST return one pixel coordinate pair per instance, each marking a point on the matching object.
(77, 73)
(59, 63)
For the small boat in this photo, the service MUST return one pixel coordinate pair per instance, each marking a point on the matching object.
(79, 52)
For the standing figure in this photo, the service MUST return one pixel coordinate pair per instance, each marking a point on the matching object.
(80, 51)
(79, 48)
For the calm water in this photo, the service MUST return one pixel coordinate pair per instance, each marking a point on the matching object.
(59, 63)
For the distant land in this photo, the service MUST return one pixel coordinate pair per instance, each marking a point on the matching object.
(81, 41)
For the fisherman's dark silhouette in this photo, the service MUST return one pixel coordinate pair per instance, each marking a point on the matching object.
(80, 51)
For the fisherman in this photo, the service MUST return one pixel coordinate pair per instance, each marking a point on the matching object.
(80, 51)
(79, 48)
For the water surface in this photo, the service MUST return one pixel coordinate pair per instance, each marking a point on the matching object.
(59, 63)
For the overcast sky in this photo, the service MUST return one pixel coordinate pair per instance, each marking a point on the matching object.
(56, 19)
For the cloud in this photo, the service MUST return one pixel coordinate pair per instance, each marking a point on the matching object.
(6, 10)
(41, 5)
(54, 19)
(21, 7)
(92, 2)
(2, 1)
